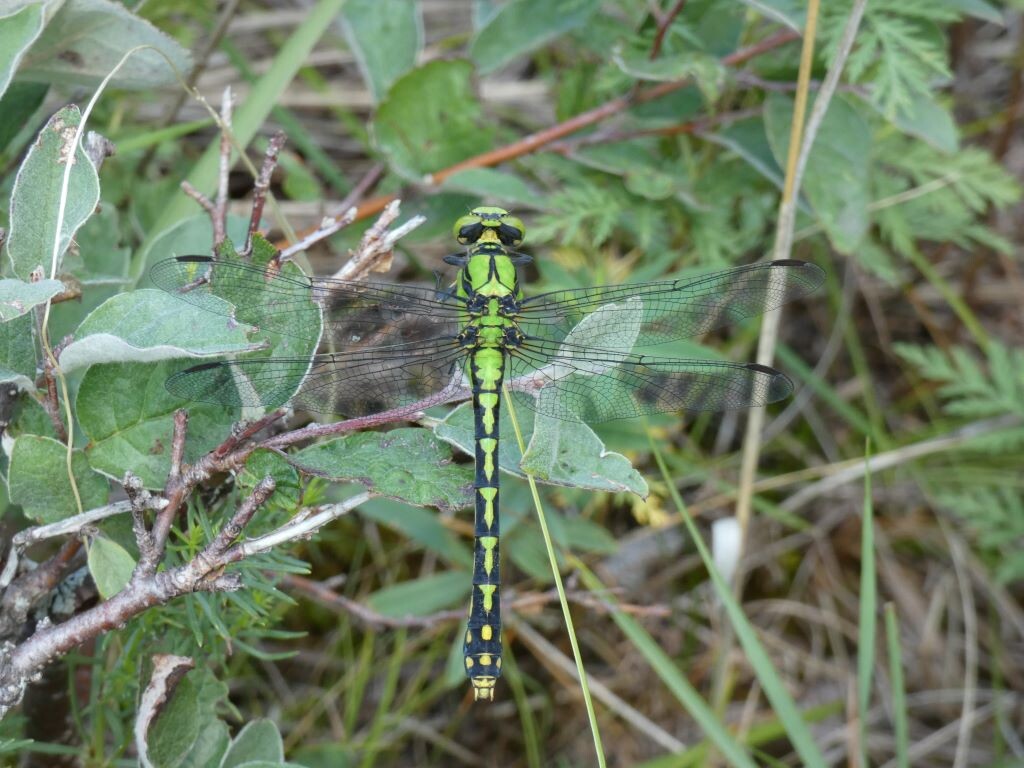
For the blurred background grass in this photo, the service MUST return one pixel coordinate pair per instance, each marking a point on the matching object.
(911, 205)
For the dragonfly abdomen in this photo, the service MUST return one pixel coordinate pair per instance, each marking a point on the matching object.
(482, 647)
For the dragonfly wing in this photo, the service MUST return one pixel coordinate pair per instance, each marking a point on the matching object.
(353, 310)
(347, 384)
(600, 385)
(673, 309)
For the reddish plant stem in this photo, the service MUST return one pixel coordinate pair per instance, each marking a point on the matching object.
(663, 26)
(535, 141)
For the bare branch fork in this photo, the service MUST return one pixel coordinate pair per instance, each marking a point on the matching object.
(148, 585)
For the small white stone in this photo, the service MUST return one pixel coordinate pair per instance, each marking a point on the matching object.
(726, 541)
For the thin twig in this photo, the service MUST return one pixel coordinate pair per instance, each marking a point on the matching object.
(329, 225)
(302, 526)
(784, 231)
(262, 186)
(178, 442)
(220, 215)
(663, 26)
(233, 528)
(204, 202)
(200, 58)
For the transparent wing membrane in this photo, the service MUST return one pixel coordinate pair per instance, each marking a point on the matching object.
(674, 309)
(595, 385)
(349, 385)
(354, 312)
(388, 346)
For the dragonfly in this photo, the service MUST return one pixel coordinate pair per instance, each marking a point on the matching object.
(386, 346)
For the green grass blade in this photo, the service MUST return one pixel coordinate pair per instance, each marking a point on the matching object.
(782, 703)
(531, 738)
(556, 574)
(868, 616)
(252, 114)
(670, 675)
(899, 692)
(297, 134)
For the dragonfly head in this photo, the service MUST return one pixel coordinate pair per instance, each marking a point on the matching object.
(489, 224)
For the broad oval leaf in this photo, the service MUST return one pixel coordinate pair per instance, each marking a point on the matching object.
(407, 464)
(35, 200)
(430, 119)
(521, 26)
(128, 415)
(17, 297)
(18, 352)
(149, 325)
(258, 741)
(17, 31)
(386, 36)
(836, 181)
(111, 566)
(38, 480)
(86, 39)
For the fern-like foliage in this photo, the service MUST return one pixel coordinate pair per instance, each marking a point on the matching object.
(970, 387)
(995, 516)
(900, 50)
(938, 197)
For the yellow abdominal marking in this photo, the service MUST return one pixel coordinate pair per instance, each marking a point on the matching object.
(487, 590)
(489, 401)
(488, 543)
(485, 659)
(489, 445)
(486, 632)
(488, 494)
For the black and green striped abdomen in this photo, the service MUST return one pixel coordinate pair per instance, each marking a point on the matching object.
(482, 646)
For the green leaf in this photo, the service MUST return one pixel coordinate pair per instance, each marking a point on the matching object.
(38, 480)
(149, 325)
(498, 185)
(386, 36)
(128, 416)
(262, 463)
(259, 740)
(184, 731)
(87, 38)
(836, 180)
(191, 235)
(570, 453)
(287, 337)
(747, 138)
(18, 352)
(431, 119)
(564, 453)
(929, 121)
(17, 31)
(208, 747)
(422, 596)
(101, 259)
(35, 200)
(407, 464)
(521, 26)
(792, 13)
(707, 71)
(110, 565)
